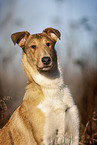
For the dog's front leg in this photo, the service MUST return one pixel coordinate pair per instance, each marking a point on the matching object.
(61, 129)
(71, 119)
(49, 129)
(72, 125)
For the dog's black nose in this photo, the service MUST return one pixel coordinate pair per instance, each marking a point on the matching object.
(46, 60)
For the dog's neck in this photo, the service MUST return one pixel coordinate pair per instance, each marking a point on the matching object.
(51, 74)
(54, 79)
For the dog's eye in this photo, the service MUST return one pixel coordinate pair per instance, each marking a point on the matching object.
(33, 46)
(48, 44)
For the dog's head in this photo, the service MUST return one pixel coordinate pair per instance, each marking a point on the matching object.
(39, 48)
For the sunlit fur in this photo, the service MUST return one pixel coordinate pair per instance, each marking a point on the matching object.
(47, 115)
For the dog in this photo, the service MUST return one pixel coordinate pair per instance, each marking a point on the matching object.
(48, 114)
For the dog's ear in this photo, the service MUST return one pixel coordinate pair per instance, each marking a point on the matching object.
(53, 33)
(20, 38)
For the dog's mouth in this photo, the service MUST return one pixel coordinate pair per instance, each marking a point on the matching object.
(44, 68)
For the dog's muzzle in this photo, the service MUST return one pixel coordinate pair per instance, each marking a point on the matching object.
(47, 64)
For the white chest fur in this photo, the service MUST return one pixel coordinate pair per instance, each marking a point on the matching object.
(54, 109)
(54, 106)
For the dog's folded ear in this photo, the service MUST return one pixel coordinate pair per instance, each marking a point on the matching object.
(53, 33)
(20, 38)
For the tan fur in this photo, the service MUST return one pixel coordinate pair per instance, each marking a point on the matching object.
(44, 109)
(26, 124)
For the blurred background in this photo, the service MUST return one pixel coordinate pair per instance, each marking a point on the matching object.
(77, 50)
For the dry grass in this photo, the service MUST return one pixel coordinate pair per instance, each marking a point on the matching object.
(89, 132)
(3, 110)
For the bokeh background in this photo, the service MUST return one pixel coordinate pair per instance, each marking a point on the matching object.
(77, 50)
